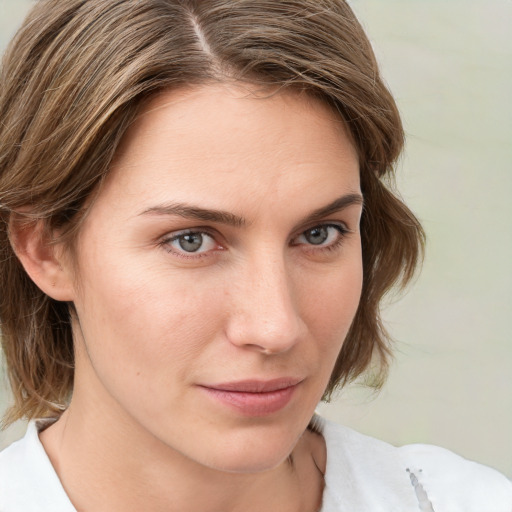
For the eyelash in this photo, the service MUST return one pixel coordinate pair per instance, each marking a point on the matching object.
(165, 243)
(342, 233)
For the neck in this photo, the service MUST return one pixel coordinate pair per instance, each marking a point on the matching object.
(106, 469)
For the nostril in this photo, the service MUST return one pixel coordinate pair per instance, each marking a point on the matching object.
(265, 316)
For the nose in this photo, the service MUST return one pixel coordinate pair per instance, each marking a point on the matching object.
(265, 316)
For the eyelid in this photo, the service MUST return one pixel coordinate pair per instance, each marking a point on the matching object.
(172, 236)
(340, 226)
(204, 230)
(165, 241)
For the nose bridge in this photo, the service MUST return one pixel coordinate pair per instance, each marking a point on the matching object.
(267, 315)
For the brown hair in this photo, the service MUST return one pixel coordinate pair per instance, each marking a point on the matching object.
(75, 77)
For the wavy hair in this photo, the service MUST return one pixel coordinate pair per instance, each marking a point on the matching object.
(75, 77)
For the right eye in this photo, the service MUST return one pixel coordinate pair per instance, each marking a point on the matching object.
(190, 242)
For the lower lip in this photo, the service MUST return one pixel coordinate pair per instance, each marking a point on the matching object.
(253, 404)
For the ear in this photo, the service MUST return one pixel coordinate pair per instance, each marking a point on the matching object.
(46, 263)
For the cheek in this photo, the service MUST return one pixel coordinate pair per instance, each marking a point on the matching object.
(330, 306)
(140, 321)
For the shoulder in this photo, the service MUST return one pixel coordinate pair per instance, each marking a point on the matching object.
(28, 482)
(370, 474)
(457, 483)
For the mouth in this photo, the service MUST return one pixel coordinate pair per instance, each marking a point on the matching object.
(254, 397)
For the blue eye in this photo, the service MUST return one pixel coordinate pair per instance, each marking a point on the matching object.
(190, 242)
(326, 235)
(317, 236)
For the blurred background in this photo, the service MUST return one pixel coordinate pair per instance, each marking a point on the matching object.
(449, 65)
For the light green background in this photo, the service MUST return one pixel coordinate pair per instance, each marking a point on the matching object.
(449, 64)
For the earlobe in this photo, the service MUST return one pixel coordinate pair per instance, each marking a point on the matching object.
(44, 261)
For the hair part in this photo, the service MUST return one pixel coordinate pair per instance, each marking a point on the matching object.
(76, 76)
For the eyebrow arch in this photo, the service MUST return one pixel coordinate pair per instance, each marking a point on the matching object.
(194, 212)
(337, 205)
(222, 217)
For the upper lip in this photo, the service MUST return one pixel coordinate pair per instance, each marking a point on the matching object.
(255, 385)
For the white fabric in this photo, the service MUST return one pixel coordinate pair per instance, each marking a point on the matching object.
(367, 475)
(363, 475)
(28, 482)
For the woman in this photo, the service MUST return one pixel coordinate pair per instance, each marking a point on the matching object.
(196, 234)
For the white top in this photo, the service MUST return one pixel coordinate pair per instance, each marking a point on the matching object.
(363, 475)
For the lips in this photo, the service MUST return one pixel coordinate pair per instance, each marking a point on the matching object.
(254, 397)
(256, 386)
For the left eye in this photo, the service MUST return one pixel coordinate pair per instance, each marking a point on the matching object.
(325, 235)
(192, 242)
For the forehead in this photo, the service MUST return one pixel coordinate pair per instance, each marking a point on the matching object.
(200, 142)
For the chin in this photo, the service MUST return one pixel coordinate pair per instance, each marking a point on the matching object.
(246, 462)
(249, 451)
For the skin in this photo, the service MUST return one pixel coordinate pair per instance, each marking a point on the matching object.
(257, 300)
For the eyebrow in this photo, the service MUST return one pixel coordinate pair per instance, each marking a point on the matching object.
(337, 205)
(195, 212)
(222, 217)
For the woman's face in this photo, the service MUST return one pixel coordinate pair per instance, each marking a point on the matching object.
(219, 271)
